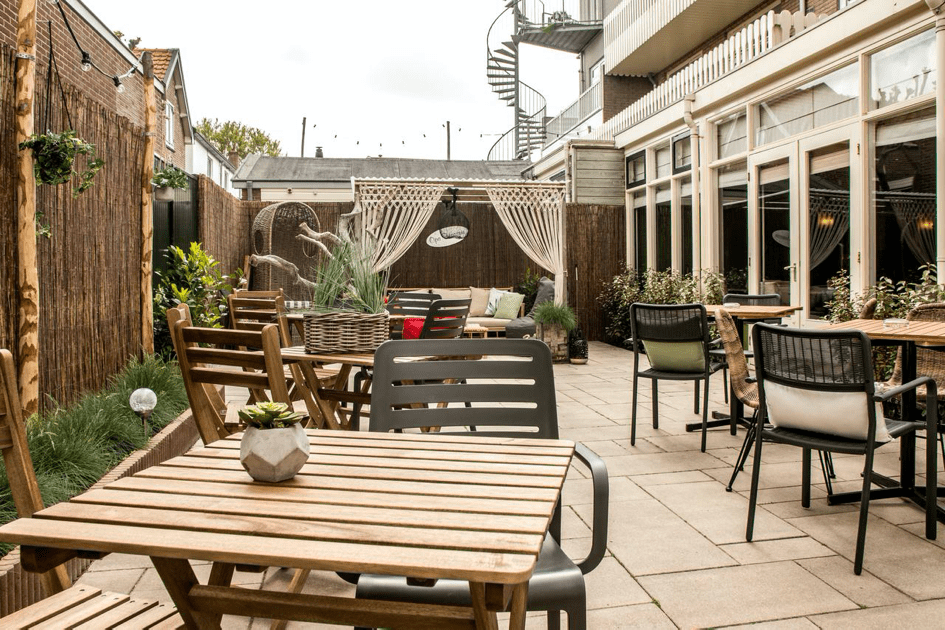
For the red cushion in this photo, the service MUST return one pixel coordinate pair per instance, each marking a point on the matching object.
(413, 326)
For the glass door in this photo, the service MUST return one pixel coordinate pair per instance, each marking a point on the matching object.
(773, 223)
(802, 233)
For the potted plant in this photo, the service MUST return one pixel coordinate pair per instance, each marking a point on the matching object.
(166, 180)
(274, 446)
(54, 159)
(348, 312)
(554, 322)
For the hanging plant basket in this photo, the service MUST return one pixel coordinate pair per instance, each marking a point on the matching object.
(341, 331)
(54, 159)
(164, 193)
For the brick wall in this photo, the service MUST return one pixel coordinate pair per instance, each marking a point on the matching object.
(68, 59)
(619, 92)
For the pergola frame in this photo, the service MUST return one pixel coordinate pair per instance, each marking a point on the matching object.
(390, 214)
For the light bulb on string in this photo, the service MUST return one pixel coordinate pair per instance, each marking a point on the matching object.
(119, 86)
(86, 61)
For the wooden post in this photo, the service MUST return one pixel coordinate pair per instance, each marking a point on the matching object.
(147, 213)
(26, 276)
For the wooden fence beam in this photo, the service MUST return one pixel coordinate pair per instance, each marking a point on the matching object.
(147, 213)
(27, 275)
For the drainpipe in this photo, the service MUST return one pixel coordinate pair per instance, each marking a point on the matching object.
(938, 8)
(696, 188)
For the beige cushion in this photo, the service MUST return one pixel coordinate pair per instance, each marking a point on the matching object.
(480, 299)
(509, 305)
(488, 322)
(453, 294)
(835, 413)
(675, 356)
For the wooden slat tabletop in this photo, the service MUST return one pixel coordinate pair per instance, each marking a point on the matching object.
(297, 353)
(753, 312)
(930, 333)
(421, 505)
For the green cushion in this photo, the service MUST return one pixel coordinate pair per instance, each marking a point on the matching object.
(509, 305)
(675, 356)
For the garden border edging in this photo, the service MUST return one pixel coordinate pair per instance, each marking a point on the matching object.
(19, 588)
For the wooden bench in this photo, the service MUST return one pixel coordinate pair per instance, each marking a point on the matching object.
(65, 606)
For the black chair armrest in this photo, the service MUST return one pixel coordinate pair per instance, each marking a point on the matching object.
(601, 485)
(928, 381)
(751, 379)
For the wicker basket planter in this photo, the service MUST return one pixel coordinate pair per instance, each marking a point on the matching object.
(344, 332)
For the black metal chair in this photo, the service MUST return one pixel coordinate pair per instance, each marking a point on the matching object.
(445, 319)
(816, 389)
(410, 304)
(412, 381)
(762, 299)
(676, 340)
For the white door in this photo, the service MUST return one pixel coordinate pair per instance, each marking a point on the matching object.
(801, 231)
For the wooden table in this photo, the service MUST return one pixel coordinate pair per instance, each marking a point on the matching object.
(741, 314)
(329, 398)
(910, 336)
(428, 506)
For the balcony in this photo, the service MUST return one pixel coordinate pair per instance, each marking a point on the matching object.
(588, 104)
(646, 36)
(569, 29)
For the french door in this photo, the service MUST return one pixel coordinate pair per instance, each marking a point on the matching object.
(801, 230)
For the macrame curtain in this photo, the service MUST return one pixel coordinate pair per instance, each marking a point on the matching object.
(829, 222)
(534, 216)
(915, 214)
(388, 218)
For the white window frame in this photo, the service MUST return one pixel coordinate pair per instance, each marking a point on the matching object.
(169, 124)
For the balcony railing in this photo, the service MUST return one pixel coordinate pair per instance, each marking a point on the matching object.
(588, 104)
(632, 23)
(745, 45)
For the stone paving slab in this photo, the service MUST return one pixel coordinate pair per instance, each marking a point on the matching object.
(677, 556)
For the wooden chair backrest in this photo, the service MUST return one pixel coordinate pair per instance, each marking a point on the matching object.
(209, 357)
(446, 319)
(19, 464)
(253, 310)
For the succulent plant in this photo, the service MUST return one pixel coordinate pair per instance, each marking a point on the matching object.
(270, 415)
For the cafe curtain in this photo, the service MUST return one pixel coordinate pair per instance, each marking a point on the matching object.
(915, 214)
(534, 216)
(829, 222)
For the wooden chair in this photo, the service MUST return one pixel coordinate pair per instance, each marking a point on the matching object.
(208, 359)
(254, 310)
(65, 605)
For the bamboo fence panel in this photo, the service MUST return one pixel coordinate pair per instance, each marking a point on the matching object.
(90, 315)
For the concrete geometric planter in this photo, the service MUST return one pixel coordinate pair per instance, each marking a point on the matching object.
(274, 454)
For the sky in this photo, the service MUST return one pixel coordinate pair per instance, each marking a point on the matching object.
(371, 77)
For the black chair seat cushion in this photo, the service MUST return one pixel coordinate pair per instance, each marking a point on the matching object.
(520, 328)
(556, 583)
(680, 376)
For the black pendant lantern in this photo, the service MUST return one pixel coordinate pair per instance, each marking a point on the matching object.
(453, 223)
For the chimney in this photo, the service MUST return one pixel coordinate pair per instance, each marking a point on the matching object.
(234, 158)
(319, 152)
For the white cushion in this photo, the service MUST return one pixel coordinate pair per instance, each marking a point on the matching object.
(836, 413)
(494, 296)
(487, 322)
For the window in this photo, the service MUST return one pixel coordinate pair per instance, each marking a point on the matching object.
(904, 196)
(733, 226)
(731, 135)
(664, 229)
(226, 179)
(822, 101)
(169, 124)
(903, 71)
(639, 232)
(682, 153)
(596, 73)
(664, 161)
(158, 163)
(209, 167)
(685, 202)
(636, 169)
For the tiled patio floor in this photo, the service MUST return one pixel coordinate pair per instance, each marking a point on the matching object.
(677, 556)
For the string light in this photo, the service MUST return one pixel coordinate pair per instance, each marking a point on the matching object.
(86, 61)
(119, 86)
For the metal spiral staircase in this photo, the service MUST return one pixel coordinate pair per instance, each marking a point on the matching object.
(502, 71)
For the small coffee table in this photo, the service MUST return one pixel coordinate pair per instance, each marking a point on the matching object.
(475, 330)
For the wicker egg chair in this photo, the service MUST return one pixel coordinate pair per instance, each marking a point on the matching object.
(274, 232)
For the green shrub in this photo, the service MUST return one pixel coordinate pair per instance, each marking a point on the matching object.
(653, 287)
(193, 278)
(528, 286)
(73, 447)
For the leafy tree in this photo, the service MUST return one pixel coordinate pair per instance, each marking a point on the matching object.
(234, 136)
